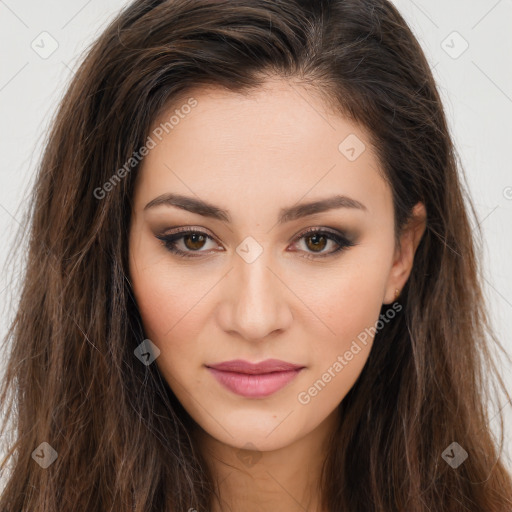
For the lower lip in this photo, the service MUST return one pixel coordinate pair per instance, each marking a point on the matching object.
(254, 386)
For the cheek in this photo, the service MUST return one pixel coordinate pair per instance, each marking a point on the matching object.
(169, 302)
(355, 305)
(348, 302)
(165, 293)
(344, 300)
(169, 323)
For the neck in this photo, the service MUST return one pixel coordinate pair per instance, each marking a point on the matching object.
(287, 479)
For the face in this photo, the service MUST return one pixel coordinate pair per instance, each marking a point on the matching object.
(255, 275)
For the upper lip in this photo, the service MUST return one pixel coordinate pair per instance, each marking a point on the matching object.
(267, 366)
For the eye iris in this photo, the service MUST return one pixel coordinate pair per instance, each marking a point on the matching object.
(195, 238)
(316, 238)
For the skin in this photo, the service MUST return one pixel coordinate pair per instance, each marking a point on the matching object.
(253, 155)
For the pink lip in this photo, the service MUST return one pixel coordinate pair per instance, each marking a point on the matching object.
(254, 380)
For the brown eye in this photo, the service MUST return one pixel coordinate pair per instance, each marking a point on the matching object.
(191, 242)
(316, 242)
(194, 241)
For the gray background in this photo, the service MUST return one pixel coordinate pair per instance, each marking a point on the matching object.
(475, 83)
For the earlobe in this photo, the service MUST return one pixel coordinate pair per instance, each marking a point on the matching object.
(404, 256)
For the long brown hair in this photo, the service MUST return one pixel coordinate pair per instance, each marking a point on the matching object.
(122, 439)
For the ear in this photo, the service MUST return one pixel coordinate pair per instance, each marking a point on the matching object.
(404, 255)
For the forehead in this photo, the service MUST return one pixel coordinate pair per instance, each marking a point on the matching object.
(275, 144)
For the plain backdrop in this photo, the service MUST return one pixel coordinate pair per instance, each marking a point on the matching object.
(468, 44)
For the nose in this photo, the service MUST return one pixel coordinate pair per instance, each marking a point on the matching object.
(255, 300)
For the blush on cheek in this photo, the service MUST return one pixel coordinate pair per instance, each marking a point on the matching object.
(169, 321)
(348, 353)
(159, 296)
(350, 316)
(158, 311)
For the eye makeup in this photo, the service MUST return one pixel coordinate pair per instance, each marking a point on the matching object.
(316, 237)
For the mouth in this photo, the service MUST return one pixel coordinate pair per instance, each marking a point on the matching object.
(254, 380)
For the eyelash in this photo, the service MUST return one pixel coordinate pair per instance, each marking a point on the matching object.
(169, 241)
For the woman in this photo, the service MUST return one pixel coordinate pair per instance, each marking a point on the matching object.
(251, 280)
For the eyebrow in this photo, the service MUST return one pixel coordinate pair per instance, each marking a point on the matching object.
(288, 214)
